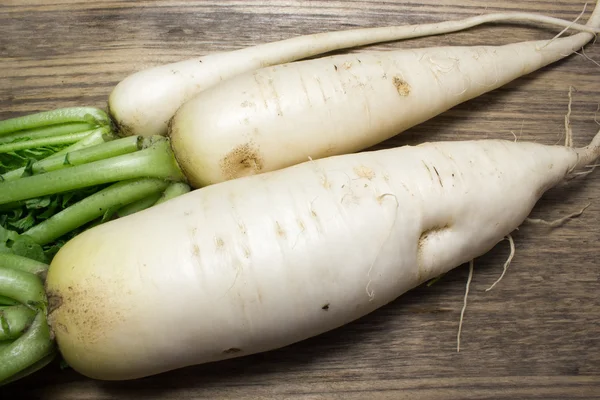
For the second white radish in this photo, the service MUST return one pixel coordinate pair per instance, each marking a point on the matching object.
(278, 116)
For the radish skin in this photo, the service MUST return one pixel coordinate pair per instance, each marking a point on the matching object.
(282, 115)
(145, 101)
(261, 262)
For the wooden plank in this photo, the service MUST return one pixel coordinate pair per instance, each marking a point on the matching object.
(536, 335)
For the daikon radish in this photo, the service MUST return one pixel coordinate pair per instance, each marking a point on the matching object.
(260, 262)
(278, 116)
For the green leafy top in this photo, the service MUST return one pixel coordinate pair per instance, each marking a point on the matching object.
(22, 158)
(17, 218)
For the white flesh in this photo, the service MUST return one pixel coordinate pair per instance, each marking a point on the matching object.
(144, 102)
(278, 116)
(264, 261)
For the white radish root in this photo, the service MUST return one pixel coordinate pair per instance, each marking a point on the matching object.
(559, 221)
(507, 263)
(260, 262)
(464, 308)
(274, 117)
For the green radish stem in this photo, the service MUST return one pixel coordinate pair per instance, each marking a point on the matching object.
(14, 320)
(156, 161)
(34, 346)
(175, 189)
(23, 320)
(96, 137)
(139, 205)
(7, 301)
(106, 150)
(83, 156)
(42, 142)
(57, 130)
(22, 286)
(94, 206)
(36, 366)
(59, 116)
(9, 260)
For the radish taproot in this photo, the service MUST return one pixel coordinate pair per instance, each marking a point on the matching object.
(144, 102)
(261, 262)
(278, 116)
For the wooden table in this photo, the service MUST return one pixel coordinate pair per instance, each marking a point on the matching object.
(536, 335)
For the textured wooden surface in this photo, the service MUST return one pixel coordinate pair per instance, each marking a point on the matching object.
(536, 335)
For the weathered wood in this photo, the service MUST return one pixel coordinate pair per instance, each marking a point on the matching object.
(536, 335)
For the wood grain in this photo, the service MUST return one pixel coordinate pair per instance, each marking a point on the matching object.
(536, 335)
